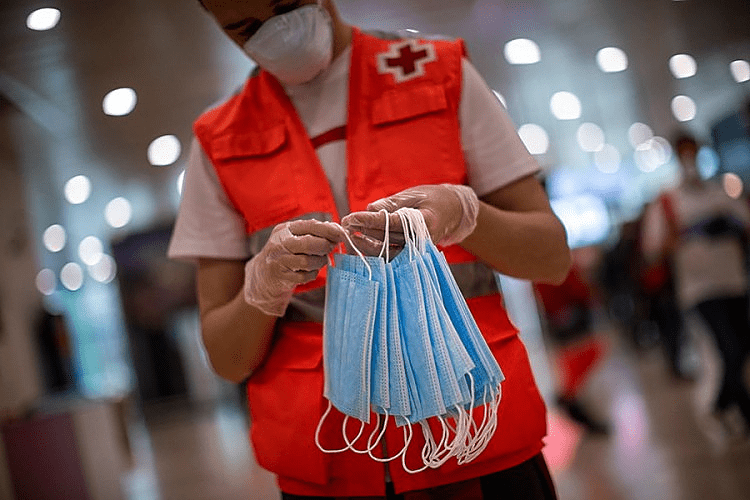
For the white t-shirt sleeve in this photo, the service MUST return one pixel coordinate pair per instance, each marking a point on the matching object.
(207, 223)
(495, 155)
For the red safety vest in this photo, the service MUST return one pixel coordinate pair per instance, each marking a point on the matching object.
(402, 131)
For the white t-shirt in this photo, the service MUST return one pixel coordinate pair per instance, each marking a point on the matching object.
(705, 268)
(209, 226)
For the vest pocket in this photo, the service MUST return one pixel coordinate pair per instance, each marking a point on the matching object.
(258, 143)
(285, 397)
(255, 176)
(397, 105)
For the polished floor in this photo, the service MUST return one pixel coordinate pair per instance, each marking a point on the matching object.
(663, 444)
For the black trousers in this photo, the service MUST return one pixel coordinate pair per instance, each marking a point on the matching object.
(727, 318)
(529, 480)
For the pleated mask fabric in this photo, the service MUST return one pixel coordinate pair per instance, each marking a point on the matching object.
(399, 340)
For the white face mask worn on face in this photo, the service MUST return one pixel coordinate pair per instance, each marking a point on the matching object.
(296, 46)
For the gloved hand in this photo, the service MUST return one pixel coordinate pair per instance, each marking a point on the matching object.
(450, 212)
(294, 253)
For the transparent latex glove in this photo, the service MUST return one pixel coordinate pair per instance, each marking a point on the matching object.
(450, 211)
(293, 255)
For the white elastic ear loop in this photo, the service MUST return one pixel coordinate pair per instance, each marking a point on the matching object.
(485, 431)
(403, 456)
(386, 238)
(380, 436)
(317, 432)
(406, 228)
(419, 228)
(435, 454)
(350, 444)
(361, 256)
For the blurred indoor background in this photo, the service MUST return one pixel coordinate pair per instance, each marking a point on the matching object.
(104, 389)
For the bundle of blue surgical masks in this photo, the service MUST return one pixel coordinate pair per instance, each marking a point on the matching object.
(399, 341)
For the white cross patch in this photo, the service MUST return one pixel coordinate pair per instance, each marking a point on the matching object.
(405, 59)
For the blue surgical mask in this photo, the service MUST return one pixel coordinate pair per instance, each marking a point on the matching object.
(400, 340)
(487, 373)
(347, 339)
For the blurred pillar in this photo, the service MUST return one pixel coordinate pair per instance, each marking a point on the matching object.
(20, 381)
(20, 302)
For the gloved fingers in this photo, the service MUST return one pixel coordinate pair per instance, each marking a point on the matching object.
(373, 246)
(412, 197)
(308, 244)
(293, 278)
(294, 263)
(372, 222)
(328, 230)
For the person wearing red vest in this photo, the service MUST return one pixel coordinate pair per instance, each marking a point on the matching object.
(335, 125)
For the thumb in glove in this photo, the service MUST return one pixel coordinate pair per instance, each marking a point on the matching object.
(293, 255)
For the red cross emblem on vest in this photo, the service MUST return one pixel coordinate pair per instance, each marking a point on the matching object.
(405, 59)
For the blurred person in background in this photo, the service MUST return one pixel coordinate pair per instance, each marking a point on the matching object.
(656, 282)
(621, 280)
(703, 232)
(333, 120)
(576, 347)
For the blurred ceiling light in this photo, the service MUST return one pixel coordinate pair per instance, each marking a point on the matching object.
(43, 19)
(45, 281)
(590, 137)
(638, 133)
(90, 250)
(534, 138)
(77, 189)
(522, 51)
(612, 60)
(565, 106)
(118, 212)
(164, 150)
(607, 160)
(119, 102)
(683, 108)
(54, 238)
(732, 184)
(682, 65)
(652, 154)
(180, 182)
(500, 98)
(103, 271)
(71, 276)
(740, 70)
